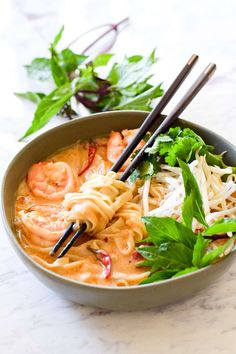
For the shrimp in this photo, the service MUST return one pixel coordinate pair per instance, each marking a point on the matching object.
(43, 224)
(117, 142)
(51, 180)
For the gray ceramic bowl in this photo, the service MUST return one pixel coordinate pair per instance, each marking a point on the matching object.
(122, 298)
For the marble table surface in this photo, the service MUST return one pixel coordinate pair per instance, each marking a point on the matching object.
(34, 320)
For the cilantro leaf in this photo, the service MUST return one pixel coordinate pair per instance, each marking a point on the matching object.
(183, 149)
(174, 132)
(177, 143)
(160, 139)
(183, 144)
(148, 167)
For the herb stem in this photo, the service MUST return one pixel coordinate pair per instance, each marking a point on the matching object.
(113, 27)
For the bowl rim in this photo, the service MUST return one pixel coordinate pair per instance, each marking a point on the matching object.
(12, 237)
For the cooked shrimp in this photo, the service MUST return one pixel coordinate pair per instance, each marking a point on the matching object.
(43, 224)
(51, 180)
(117, 142)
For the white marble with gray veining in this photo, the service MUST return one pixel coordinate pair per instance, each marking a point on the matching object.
(33, 320)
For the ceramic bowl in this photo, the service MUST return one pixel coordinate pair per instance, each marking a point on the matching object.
(120, 298)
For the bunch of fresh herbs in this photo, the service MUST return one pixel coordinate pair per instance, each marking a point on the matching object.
(125, 85)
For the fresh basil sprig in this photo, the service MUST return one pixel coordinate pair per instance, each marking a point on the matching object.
(173, 248)
(122, 86)
(51, 105)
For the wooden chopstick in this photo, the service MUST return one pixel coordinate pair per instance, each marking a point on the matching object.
(154, 115)
(78, 233)
(62, 239)
(167, 122)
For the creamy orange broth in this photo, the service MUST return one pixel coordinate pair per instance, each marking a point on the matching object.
(80, 263)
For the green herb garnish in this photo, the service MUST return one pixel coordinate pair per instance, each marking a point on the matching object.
(192, 205)
(177, 144)
(173, 248)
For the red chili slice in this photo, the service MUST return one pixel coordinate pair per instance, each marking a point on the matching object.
(91, 155)
(136, 256)
(105, 259)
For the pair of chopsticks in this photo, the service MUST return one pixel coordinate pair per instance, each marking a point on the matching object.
(148, 122)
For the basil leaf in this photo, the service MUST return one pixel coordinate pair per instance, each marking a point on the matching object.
(136, 89)
(102, 59)
(58, 72)
(169, 255)
(148, 252)
(39, 69)
(217, 160)
(214, 254)
(199, 250)
(187, 211)
(132, 70)
(88, 79)
(57, 39)
(165, 229)
(49, 106)
(221, 226)
(141, 101)
(34, 97)
(192, 196)
(185, 271)
(144, 264)
(70, 61)
(161, 275)
(135, 58)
